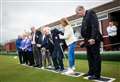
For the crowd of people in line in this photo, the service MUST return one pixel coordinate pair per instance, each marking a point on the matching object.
(44, 47)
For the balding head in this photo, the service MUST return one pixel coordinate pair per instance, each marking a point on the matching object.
(33, 29)
(46, 30)
(80, 10)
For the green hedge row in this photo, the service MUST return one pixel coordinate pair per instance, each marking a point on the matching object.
(109, 56)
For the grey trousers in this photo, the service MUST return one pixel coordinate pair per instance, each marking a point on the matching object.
(46, 57)
(37, 55)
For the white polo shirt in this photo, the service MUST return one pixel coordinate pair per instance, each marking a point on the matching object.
(112, 31)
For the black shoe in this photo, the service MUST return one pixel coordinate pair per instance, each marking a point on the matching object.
(36, 66)
(56, 68)
(85, 75)
(94, 78)
(61, 69)
(39, 66)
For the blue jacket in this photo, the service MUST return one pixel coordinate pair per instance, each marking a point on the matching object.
(28, 45)
(18, 44)
(23, 42)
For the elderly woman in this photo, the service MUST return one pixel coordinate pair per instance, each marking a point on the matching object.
(70, 40)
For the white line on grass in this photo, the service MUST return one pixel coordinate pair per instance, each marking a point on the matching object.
(80, 74)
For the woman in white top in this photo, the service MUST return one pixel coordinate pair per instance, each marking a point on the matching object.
(70, 40)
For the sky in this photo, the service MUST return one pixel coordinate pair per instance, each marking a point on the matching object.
(19, 15)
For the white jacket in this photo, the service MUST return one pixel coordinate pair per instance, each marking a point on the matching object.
(69, 35)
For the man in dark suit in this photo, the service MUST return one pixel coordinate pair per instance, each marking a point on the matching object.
(92, 37)
(36, 43)
(57, 53)
(46, 56)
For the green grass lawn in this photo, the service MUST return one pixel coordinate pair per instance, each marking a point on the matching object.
(11, 71)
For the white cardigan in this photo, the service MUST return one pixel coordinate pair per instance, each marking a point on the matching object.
(69, 35)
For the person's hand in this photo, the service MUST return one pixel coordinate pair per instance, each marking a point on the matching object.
(60, 35)
(91, 41)
(47, 50)
(38, 45)
(61, 44)
(33, 42)
(43, 48)
(23, 48)
(82, 43)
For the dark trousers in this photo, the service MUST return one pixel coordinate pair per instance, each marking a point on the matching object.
(25, 57)
(113, 41)
(57, 58)
(20, 55)
(94, 59)
(30, 58)
(37, 56)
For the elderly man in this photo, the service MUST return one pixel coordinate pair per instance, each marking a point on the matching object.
(92, 37)
(45, 50)
(36, 43)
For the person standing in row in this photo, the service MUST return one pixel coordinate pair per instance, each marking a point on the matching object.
(36, 44)
(92, 38)
(18, 45)
(112, 33)
(23, 48)
(70, 40)
(46, 56)
(28, 48)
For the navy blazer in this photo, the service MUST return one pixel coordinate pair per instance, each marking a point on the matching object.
(90, 26)
(45, 43)
(38, 36)
(55, 36)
